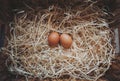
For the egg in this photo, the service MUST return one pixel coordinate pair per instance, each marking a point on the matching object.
(53, 39)
(66, 40)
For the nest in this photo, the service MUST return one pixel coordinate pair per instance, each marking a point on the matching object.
(89, 57)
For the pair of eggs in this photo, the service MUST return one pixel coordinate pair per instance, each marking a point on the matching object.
(54, 38)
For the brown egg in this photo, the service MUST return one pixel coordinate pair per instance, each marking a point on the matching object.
(53, 39)
(66, 40)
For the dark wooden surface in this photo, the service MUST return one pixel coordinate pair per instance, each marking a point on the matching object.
(113, 74)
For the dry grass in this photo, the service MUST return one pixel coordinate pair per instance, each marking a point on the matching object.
(88, 58)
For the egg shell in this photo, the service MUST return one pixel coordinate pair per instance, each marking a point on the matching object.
(66, 40)
(53, 39)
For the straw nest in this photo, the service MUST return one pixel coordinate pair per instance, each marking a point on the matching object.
(89, 57)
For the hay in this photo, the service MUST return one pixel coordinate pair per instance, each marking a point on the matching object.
(88, 58)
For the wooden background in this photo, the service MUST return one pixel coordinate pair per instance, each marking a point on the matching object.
(6, 15)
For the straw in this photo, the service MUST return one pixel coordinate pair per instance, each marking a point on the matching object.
(89, 57)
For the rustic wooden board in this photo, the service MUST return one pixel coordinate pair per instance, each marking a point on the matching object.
(113, 74)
